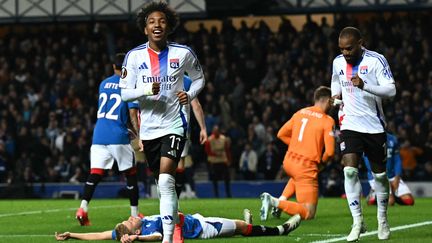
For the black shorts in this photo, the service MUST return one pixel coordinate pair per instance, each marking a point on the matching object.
(372, 145)
(170, 146)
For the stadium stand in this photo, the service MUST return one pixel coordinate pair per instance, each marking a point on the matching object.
(256, 79)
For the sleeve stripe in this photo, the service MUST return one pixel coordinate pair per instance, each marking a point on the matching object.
(184, 47)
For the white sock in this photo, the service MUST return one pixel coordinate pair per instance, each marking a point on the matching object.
(134, 211)
(353, 192)
(168, 205)
(84, 205)
(372, 184)
(283, 198)
(281, 229)
(382, 194)
(274, 201)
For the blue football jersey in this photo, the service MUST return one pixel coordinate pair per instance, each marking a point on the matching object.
(112, 114)
(394, 162)
(152, 224)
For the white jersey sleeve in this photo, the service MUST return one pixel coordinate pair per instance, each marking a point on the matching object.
(129, 78)
(194, 70)
(386, 85)
(335, 85)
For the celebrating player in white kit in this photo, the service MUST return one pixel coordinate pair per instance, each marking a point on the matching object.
(111, 142)
(362, 78)
(163, 124)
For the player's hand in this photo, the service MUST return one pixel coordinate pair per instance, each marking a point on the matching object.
(156, 88)
(141, 146)
(335, 100)
(183, 97)
(128, 238)
(203, 137)
(357, 82)
(62, 236)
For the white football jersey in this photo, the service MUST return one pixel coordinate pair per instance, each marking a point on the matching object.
(162, 114)
(362, 110)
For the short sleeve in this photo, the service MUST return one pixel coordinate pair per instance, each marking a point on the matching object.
(113, 235)
(133, 105)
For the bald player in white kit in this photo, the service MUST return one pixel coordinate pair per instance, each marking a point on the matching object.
(362, 78)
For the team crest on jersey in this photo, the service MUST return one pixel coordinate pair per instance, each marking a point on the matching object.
(123, 72)
(363, 69)
(174, 63)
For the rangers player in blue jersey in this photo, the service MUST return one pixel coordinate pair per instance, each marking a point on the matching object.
(400, 193)
(194, 226)
(111, 142)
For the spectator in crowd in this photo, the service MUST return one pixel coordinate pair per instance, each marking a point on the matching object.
(219, 159)
(270, 162)
(248, 163)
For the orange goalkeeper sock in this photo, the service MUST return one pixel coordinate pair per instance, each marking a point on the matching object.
(293, 208)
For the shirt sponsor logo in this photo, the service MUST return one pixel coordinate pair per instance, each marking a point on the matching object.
(174, 63)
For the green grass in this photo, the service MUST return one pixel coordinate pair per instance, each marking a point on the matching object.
(37, 220)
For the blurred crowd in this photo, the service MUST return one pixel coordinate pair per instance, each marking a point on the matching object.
(256, 79)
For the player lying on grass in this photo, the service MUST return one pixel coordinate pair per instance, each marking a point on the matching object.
(195, 226)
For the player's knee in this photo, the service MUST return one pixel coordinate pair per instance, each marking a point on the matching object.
(94, 178)
(131, 172)
(381, 177)
(166, 183)
(408, 201)
(350, 172)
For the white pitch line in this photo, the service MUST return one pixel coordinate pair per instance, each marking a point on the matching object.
(57, 210)
(397, 228)
(13, 236)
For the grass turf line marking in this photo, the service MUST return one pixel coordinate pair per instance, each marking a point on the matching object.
(397, 228)
(13, 236)
(57, 210)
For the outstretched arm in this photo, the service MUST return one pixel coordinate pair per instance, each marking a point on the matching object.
(131, 238)
(106, 235)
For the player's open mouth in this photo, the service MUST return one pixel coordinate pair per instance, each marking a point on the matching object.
(157, 33)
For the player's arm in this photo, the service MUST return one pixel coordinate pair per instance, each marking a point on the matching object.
(228, 150)
(199, 115)
(386, 85)
(105, 235)
(194, 70)
(133, 115)
(285, 132)
(329, 140)
(146, 238)
(335, 86)
(128, 80)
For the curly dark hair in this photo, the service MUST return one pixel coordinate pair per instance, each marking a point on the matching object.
(160, 6)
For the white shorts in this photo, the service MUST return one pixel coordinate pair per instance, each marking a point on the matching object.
(215, 227)
(185, 151)
(103, 156)
(402, 189)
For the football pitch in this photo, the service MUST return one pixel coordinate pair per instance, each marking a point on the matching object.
(37, 220)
